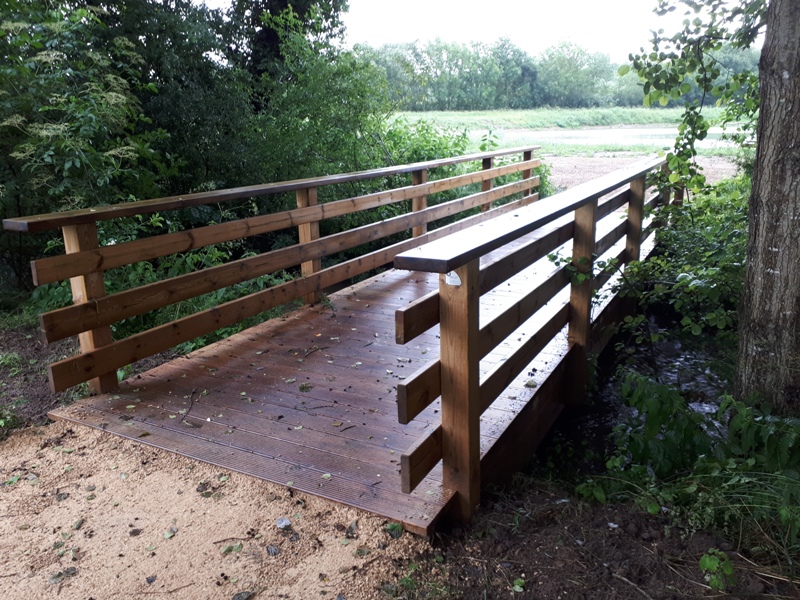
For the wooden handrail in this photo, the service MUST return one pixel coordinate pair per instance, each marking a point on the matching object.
(58, 268)
(578, 213)
(447, 255)
(52, 221)
(93, 313)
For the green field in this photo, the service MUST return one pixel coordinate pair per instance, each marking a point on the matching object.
(565, 132)
(544, 118)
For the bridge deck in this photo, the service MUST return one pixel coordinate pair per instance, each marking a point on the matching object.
(309, 400)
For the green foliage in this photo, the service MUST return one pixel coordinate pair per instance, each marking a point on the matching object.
(695, 64)
(574, 78)
(663, 431)
(717, 569)
(734, 471)
(698, 270)
(9, 419)
(71, 129)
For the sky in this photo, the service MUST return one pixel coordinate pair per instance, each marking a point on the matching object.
(614, 27)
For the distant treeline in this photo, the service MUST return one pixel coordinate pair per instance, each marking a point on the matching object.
(450, 76)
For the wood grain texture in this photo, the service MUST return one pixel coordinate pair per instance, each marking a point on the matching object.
(580, 300)
(57, 268)
(77, 369)
(444, 256)
(72, 320)
(104, 213)
(458, 297)
(308, 232)
(87, 289)
(635, 216)
(420, 202)
(487, 184)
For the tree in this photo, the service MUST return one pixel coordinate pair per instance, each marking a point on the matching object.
(769, 315)
(572, 77)
(769, 338)
(71, 130)
(257, 47)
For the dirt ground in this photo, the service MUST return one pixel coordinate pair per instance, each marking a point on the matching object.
(85, 515)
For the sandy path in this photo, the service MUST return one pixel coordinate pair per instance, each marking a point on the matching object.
(88, 514)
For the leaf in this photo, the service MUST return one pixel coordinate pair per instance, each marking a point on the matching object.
(326, 476)
(623, 70)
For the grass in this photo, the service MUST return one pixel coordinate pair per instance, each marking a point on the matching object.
(558, 133)
(545, 118)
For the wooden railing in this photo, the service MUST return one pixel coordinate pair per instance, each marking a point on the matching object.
(84, 262)
(575, 215)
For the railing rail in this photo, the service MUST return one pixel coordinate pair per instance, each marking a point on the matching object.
(93, 313)
(576, 215)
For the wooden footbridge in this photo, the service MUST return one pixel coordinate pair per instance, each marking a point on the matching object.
(400, 395)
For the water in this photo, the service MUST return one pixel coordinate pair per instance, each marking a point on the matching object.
(582, 435)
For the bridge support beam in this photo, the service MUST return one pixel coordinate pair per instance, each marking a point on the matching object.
(459, 295)
(580, 301)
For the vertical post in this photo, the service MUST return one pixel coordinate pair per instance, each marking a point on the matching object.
(85, 289)
(665, 195)
(459, 298)
(526, 156)
(633, 242)
(678, 201)
(309, 232)
(487, 184)
(420, 202)
(580, 299)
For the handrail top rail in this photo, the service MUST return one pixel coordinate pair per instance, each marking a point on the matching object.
(45, 222)
(456, 250)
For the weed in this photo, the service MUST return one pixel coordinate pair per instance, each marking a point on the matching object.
(395, 530)
(718, 569)
(9, 417)
(12, 362)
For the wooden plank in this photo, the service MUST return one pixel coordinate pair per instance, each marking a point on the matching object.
(487, 184)
(580, 300)
(88, 289)
(527, 173)
(609, 205)
(417, 317)
(504, 324)
(419, 203)
(417, 515)
(104, 213)
(446, 255)
(607, 240)
(422, 314)
(418, 391)
(420, 459)
(502, 376)
(519, 440)
(635, 216)
(77, 369)
(458, 297)
(308, 232)
(64, 322)
(544, 241)
(58, 268)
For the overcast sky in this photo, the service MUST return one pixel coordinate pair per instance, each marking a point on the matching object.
(614, 27)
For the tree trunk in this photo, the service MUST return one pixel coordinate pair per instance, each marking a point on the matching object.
(769, 342)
